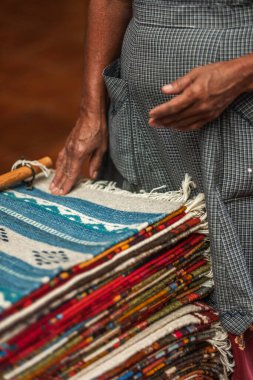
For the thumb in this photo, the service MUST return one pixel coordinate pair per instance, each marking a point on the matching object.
(178, 86)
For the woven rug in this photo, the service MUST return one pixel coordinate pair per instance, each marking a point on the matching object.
(105, 284)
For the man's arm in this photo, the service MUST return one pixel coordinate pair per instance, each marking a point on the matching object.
(107, 22)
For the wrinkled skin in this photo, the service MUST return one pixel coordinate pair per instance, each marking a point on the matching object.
(106, 24)
(87, 141)
(202, 95)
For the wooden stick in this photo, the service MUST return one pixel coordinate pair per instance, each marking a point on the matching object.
(18, 175)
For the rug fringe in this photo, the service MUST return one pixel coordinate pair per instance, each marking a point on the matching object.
(223, 345)
(181, 195)
(194, 206)
(207, 255)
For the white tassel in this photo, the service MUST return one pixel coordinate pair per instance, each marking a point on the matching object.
(223, 345)
(186, 187)
(158, 188)
(197, 208)
(197, 204)
(181, 195)
(208, 284)
(207, 255)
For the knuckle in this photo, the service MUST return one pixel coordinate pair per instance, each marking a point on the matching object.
(197, 92)
(205, 108)
(76, 150)
(79, 151)
(190, 93)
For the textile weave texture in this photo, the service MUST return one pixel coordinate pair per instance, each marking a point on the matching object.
(106, 284)
(164, 40)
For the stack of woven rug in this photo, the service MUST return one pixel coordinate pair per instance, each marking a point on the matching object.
(105, 284)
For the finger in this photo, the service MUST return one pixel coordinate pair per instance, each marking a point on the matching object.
(172, 107)
(178, 85)
(70, 176)
(61, 159)
(191, 113)
(60, 168)
(185, 117)
(185, 123)
(95, 163)
(65, 173)
(54, 187)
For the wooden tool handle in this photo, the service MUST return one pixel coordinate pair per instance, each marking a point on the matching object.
(15, 176)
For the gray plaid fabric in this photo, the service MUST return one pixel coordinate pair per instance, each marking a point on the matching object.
(164, 40)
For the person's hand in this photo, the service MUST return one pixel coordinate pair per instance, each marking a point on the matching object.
(203, 94)
(87, 141)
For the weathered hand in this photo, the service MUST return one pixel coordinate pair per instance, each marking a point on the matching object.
(88, 140)
(203, 94)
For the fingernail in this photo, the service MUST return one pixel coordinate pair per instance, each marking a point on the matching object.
(167, 87)
(152, 123)
(55, 190)
(61, 192)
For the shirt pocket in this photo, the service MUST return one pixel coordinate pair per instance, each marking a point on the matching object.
(120, 123)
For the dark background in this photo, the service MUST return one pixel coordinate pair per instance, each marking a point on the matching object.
(41, 62)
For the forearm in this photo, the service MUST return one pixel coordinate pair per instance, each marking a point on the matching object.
(107, 22)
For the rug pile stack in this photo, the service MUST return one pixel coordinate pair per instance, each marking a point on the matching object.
(104, 284)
